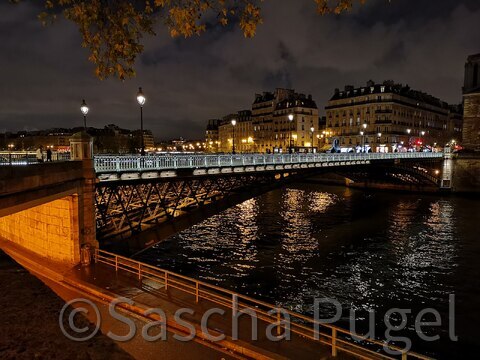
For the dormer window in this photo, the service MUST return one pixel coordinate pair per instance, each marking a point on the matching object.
(372, 89)
(382, 89)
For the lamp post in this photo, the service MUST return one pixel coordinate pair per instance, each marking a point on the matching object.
(141, 101)
(10, 147)
(290, 119)
(409, 139)
(364, 125)
(84, 109)
(361, 140)
(234, 122)
(312, 129)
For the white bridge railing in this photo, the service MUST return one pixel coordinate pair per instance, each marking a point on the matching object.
(135, 163)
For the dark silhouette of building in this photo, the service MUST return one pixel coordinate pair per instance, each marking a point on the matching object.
(471, 104)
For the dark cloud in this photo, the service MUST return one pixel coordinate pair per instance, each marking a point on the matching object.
(44, 73)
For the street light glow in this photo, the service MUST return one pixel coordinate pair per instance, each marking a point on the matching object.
(409, 131)
(364, 125)
(234, 122)
(290, 117)
(84, 108)
(312, 129)
(141, 97)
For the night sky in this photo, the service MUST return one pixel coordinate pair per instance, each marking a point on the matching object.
(44, 72)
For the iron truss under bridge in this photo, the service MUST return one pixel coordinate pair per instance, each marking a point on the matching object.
(136, 193)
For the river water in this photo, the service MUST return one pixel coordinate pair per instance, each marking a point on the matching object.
(368, 250)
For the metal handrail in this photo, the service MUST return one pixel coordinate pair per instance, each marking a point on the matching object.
(337, 338)
(125, 163)
(29, 157)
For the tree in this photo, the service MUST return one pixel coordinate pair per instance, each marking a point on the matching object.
(112, 30)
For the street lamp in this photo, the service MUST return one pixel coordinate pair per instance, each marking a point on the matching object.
(422, 133)
(290, 118)
(84, 109)
(10, 147)
(141, 101)
(409, 139)
(234, 122)
(364, 125)
(312, 129)
(361, 144)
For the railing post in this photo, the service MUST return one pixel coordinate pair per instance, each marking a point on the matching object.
(279, 327)
(96, 255)
(334, 342)
(140, 271)
(116, 263)
(166, 281)
(196, 292)
(404, 355)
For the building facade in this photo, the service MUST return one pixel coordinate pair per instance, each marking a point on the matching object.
(211, 136)
(240, 134)
(279, 122)
(471, 104)
(283, 120)
(387, 117)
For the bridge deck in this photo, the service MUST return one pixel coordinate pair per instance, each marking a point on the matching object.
(107, 164)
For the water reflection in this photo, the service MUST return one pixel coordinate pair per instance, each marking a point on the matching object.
(369, 251)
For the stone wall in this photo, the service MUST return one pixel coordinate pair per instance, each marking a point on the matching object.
(50, 230)
(471, 121)
(466, 173)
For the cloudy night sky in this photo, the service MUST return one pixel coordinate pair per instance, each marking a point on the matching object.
(44, 72)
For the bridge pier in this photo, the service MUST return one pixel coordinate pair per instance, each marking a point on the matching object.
(49, 208)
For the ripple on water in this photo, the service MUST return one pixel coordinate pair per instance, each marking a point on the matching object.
(292, 245)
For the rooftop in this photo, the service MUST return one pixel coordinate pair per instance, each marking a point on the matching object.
(388, 87)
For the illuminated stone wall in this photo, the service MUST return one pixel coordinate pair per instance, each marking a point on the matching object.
(50, 230)
(471, 121)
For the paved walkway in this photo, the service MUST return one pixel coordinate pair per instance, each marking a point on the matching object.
(101, 284)
(29, 321)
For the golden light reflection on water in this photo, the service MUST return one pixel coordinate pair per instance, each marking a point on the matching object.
(368, 251)
(292, 245)
(298, 238)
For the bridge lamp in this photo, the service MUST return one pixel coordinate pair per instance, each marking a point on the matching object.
(84, 109)
(312, 129)
(290, 118)
(362, 133)
(234, 122)
(141, 99)
(364, 125)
